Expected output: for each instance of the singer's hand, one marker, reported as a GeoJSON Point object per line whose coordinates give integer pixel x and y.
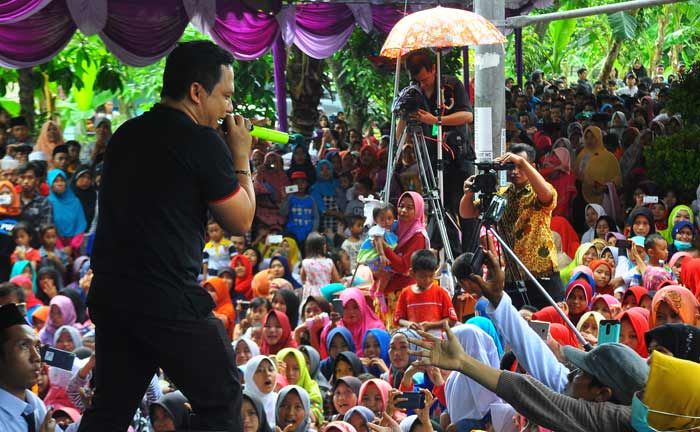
{"type": "Point", "coordinates": [238, 136]}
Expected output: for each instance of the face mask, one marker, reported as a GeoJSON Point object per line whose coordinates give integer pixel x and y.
{"type": "Point", "coordinates": [640, 414]}
{"type": "Point", "coordinates": [680, 245]}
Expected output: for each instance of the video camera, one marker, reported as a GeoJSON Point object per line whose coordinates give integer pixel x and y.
{"type": "Point", "coordinates": [409, 101]}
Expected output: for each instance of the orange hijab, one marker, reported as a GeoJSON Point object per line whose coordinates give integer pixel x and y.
{"type": "Point", "coordinates": [223, 301]}
{"type": "Point", "coordinates": [680, 299]}
{"type": "Point", "coordinates": [15, 207]}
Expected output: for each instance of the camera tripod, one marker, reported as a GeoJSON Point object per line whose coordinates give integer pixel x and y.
{"type": "Point", "coordinates": [431, 191]}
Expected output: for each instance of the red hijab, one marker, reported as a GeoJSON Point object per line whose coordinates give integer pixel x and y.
{"type": "Point", "coordinates": [223, 301]}
{"type": "Point", "coordinates": [690, 275]}
{"type": "Point", "coordinates": [243, 284]}
{"type": "Point", "coordinates": [563, 335]}
{"type": "Point", "coordinates": [569, 239]}
{"type": "Point", "coordinates": [640, 324]}
{"type": "Point", "coordinates": [286, 340]}
{"type": "Point", "coordinates": [638, 292]}
{"type": "Point", "coordinates": [27, 284]}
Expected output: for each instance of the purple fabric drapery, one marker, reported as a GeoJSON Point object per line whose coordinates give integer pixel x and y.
{"type": "Point", "coordinates": [322, 28]}
{"type": "Point", "coordinates": [384, 17]}
{"type": "Point", "coordinates": [247, 35]}
{"type": "Point", "coordinates": [17, 10]}
{"type": "Point", "coordinates": [36, 39]}
{"type": "Point", "coordinates": [141, 32]}
{"type": "Point", "coordinates": [279, 55]}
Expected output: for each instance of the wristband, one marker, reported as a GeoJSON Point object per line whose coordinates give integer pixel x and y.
{"type": "Point", "coordinates": [242, 172]}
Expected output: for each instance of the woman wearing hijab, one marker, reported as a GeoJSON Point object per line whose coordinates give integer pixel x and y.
{"type": "Point", "coordinates": [562, 335]}
{"type": "Point", "coordinates": [81, 184]}
{"type": "Point", "coordinates": [487, 326]}
{"type": "Point", "coordinates": [690, 275]}
{"type": "Point", "coordinates": [556, 169]}
{"type": "Point", "coordinates": [359, 417]}
{"type": "Point", "coordinates": [674, 304]}
{"type": "Point", "coordinates": [32, 303]}
{"type": "Point", "coordinates": [68, 214]}
{"type": "Point", "coordinates": [297, 373]}
{"type": "Point", "coordinates": [78, 304]}
{"type": "Point", "coordinates": [49, 284]}
{"type": "Point", "coordinates": [400, 354]}
{"type": "Point", "coordinates": [61, 313]}
{"type": "Point", "coordinates": [678, 213]}
{"type": "Point", "coordinates": [633, 297]}
{"type": "Point", "coordinates": [260, 380]}
{"type": "Point", "coordinates": [569, 239]}
{"type": "Point", "coordinates": [374, 394]}
{"type": "Point", "coordinates": [276, 333]}
{"type": "Point", "coordinates": [49, 138]}
{"type": "Point", "coordinates": [245, 349]}
{"type": "Point", "coordinates": [244, 275]}
{"type": "Point", "coordinates": [313, 363]}
{"type": "Point", "coordinates": [679, 340]}
{"type": "Point", "coordinates": [170, 412]}
{"type": "Point", "coordinates": [287, 271]}
{"type": "Point", "coordinates": [346, 393]}
{"type": "Point", "coordinates": [468, 402]}
{"type": "Point", "coordinates": [293, 409]}
{"type": "Point", "coordinates": [358, 317]}
{"type": "Point", "coordinates": [579, 294]}
{"type": "Point", "coordinates": [339, 426]}
{"type": "Point", "coordinates": [253, 414]}
{"type": "Point", "coordinates": [328, 196]}
{"type": "Point", "coordinates": [287, 302]}
{"type": "Point", "coordinates": [375, 346]}
{"type": "Point", "coordinates": [606, 305]}
{"type": "Point", "coordinates": [412, 237]}
{"type": "Point", "coordinates": [347, 363]}
{"type": "Point", "coordinates": [335, 341]}
{"type": "Point", "coordinates": [10, 204]}
{"type": "Point", "coordinates": [585, 254]}
{"type": "Point", "coordinates": [368, 162]}
{"type": "Point", "coordinates": [596, 166]}
{"type": "Point", "coordinates": [593, 212]}
{"type": "Point", "coordinates": [589, 326]}
{"type": "Point", "coordinates": [223, 309]}
{"type": "Point", "coordinates": [641, 222]}
{"type": "Point", "coordinates": [633, 327]}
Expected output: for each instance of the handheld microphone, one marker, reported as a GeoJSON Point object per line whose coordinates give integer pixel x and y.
{"type": "Point", "coordinates": [262, 133]}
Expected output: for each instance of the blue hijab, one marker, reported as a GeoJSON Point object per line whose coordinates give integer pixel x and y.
{"type": "Point", "coordinates": [487, 326]}
{"type": "Point", "coordinates": [68, 215]}
{"type": "Point", "coordinates": [324, 187]}
{"type": "Point", "coordinates": [287, 273]}
{"type": "Point", "coordinates": [327, 364]}
{"type": "Point", "coordinates": [19, 267]}
{"type": "Point", "coordinates": [384, 339]}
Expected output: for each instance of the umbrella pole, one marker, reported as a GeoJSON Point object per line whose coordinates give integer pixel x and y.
{"type": "Point", "coordinates": [439, 129]}
{"type": "Point", "coordinates": [392, 136]}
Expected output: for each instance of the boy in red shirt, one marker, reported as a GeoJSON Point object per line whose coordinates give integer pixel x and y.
{"type": "Point", "coordinates": [426, 305]}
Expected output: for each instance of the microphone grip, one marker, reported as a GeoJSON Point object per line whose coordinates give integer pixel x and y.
{"type": "Point", "coordinates": [269, 134]}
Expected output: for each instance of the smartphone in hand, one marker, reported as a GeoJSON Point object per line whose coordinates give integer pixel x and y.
{"type": "Point", "coordinates": [414, 400]}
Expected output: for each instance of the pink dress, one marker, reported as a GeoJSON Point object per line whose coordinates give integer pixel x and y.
{"type": "Point", "coordinates": [318, 273]}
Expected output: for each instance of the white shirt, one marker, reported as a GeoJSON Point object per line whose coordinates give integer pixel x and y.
{"type": "Point", "coordinates": [12, 408]}
{"type": "Point", "coordinates": [626, 91]}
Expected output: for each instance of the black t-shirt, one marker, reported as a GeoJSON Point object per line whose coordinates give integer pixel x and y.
{"type": "Point", "coordinates": [456, 100]}
{"type": "Point", "coordinates": [160, 173]}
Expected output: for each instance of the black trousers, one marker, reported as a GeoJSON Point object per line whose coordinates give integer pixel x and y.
{"type": "Point", "coordinates": [532, 294]}
{"type": "Point", "coordinates": [196, 355]}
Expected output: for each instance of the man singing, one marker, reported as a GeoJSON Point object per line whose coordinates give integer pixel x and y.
{"type": "Point", "coordinates": [163, 171]}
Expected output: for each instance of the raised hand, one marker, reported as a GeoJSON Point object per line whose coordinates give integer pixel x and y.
{"type": "Point", "coordinates": [445, 354]}
{"type": "Point", "coordinates": [492, 288]}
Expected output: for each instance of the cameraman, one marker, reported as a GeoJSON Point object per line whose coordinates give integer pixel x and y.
{"type": "Point", "coordinates": [454, 116]}
{"type": "Point", "coordinates": [525, 227]}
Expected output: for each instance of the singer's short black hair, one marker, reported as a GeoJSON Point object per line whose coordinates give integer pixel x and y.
{"type": "Point", "coordinates": [524, 148]}
{"type": "Point", "coordinates": [197, 61]}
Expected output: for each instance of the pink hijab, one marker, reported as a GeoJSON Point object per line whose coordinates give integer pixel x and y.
{"type": "Point", "coordinates": [406, 230]}
{"type": "Point", "coordinates": [368, 320]}
{"type": "Point", "coordinates": [565, 157]}
{"type": "Point", "coordinates": [69, 317]}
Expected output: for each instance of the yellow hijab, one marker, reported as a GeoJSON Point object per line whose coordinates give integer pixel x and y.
{"type": "Point", "coordinates": [595, 164]}
{"type": "Point", "coordinates": [673, 387]}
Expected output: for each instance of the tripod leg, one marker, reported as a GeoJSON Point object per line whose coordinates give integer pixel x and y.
{"type": "Point", "coordinates": [392, 165]}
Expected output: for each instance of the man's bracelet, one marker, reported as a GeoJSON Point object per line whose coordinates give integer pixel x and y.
{"type": "Point", "coordinates": [242, 172]}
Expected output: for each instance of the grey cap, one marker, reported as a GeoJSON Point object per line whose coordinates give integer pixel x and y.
{"type": "Point", "coordinates": [615, 365]}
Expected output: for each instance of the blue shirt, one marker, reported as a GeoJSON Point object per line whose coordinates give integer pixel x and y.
{"type": "Point", "coordinates": [12, 409]}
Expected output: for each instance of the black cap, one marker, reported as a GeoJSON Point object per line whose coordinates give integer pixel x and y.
{"type": "Point", "coordinates": [631, 75]}
{"type": "Point", "coordinates": [18, 121]}
{"type": "Point", "coordinates": [10, 315]}
{"type": "Point", "coordinates": [583, 69]}
{"type": "Point", "coordinates": [23, 148]}
{"type": "Point", "coordinates": [60, 149]}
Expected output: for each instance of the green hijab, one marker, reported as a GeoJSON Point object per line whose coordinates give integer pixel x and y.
{"type": "Point", "coordinates": [568, 271]}
{"type": "Point", "coordinates": [305, 380]}
{"type": "Point", "coordinates": [667, 233]}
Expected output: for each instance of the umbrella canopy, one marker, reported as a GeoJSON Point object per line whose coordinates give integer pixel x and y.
{"type": "Point", "coordinates": [440, 27]}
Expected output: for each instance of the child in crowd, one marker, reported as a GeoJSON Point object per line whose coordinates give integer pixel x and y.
{"type": "Point", "coordinates": [253, 311]}
{"type": "Point", "coordinates": [355, 206]}
{"type": "Point", "coordinates": [21, 234]}
{"type": "Point", "coordinates": [49, 252]}
{"type": "Point", "coordinates": [218, 251]}
{"type": "Point", "coordinates": [352, 244]}
{"type": "Point", "coordinates": [373, 256]}
{"type": "Point", "coordinates": [317, 270]}
{"type": "Point", "coordinates": [425, 305]}
{"type": "Point", "coordinates": [300, 209]}
{"type": "Point", "coordinates": [602, 274]}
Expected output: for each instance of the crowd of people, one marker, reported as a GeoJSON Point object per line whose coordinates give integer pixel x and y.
{"type": "Point", "coordinates": [332, 302]}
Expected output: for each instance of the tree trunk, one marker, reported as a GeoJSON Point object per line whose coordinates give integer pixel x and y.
{"type": "Point", "coordinates": [354, 103]}
{"type": "Point", "coordinates": [676, 57]}
{"type": "Point", "coordinates": [304, 84]}
{"type": "Point", "coordinates": [658, 53]}
{"type": "Point", "coordinates": [610, 61]}
{"type": "Point", "coordinates": [26, 95]}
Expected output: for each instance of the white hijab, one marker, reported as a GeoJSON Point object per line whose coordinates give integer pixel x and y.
{"type": "Point", "coordinates": [252, 346]}
{"type": "Point", "coordinates": [589, 235]}
{"type": "Point", "coordinates": [466, 399]}
{"type": "Point", "coordinates": [268, 400]}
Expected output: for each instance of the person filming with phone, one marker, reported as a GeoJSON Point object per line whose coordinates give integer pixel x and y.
{"type": "Point", "coordinates": [163, 207]}
{"type": "Point", "coordinates": [525, 227]}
